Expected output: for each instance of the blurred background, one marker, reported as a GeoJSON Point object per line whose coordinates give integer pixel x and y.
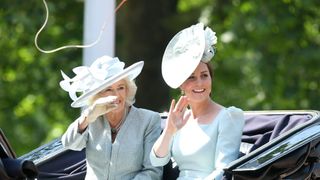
{"type": "Point", "coordinates": [268, 57]}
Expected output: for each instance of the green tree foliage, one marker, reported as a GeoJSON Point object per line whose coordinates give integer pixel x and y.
{"type": "Point", "coordinates": [267, 57]}
{"type": "Point", "coordinates": [267, 53]}
{"type": "Point", "coordinates": [33, 107]}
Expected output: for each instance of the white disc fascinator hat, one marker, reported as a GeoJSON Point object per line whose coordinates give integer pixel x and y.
{"type": "Point", "coordinates": [185, 51]}
{"type": "Point", "coordinates": [89, 81]}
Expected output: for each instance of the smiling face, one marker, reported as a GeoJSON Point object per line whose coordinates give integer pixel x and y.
{"type": "Point", "coordinates": [198, 86]}
{"type": "Point", "coordinates": [118, 89]}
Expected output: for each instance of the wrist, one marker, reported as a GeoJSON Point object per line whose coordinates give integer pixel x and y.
{"type": "Point", "coordinates": [82, 124]}
{"type": "Point", "coordinates": [169, 131]}
{"type": "Point", "coordinates": [88, 116]}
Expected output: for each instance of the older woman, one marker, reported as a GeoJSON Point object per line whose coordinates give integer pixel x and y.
{"type": "Point", "coordinates": [201, 135]}
{"type": "Point", "coordinates": [118, 136]}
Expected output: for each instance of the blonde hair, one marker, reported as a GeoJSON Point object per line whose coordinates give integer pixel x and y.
{"type": "Point", "coordinates": [131, 88]}
{"type": "Point", "coordinates": [131, 91]}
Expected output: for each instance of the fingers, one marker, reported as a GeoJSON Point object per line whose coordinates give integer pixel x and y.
{"type": "Point", "coordinates": [186, 118]}
{"type": "Point", "coordinates": [106, 100]}
{"type": "Point", "coordinates": [176, 113]}
{"type": "Point", "coordinates": [107, 104]}
{"type": "Point", "coordinates": [110, 107]}
{"type": "Point", "coordinates": [181, 104]}
{"type": "Point", "coordinates": [173, 102]}
{"type": "Point", "coordinates": [102, 105]}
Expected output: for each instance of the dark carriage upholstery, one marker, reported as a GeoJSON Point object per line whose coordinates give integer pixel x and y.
{"type": "Point", "coordinates": [299, 164]}
{"type": "Point", "coordinates": [10, 166]}
{"type": "Point", "coordinates": [259, 129]}
{"type": "Point", "coordinates": [69, 165]}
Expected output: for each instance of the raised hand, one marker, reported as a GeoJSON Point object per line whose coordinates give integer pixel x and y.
{"type": "Point", "coordinates": [176, 116]}
{"type": "Point", "coordinates": [99, 107]}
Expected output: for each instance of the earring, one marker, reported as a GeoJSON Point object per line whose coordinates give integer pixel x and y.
{"type": "Point", "coordinates": [182, 93]}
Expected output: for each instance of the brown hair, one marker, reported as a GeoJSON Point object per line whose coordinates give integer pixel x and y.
{"type": "Point", "coordinates": [210, 68]}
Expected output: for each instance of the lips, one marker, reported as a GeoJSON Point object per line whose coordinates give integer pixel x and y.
{"type": "Point", "coordinates": [198, 90]}
{"type": "Point", "coordinates": [117, 102]}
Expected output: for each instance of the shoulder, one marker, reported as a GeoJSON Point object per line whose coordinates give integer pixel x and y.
{"type": "Point", "coordinates": [145, 114]}
{"type": "Point", "coordinates": [234, 114]}
{"type": "Point", "coordinates": [233, 118]}
{"type": "Point", "coordinates": [147, 118]}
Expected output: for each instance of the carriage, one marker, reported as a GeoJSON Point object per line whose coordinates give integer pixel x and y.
{"type": "Point", "coordinates": [275, 145]}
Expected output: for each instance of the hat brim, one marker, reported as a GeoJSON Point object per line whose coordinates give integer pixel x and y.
{"type": "Point", "coordinates": [177, 66]}
{"type": "Point", "coordinates": [131, 72]}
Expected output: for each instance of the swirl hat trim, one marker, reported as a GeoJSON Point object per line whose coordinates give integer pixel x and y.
{"type": "Point", "coordinates": [89, 81]}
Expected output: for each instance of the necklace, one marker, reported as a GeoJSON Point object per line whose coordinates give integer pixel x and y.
{"type": "Point", "coordinates": [114, 130]}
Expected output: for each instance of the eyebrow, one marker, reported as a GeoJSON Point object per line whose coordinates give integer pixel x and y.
{"type": "Point", "coordinates": [205, 71]}
{"type": "Point", "coordinates": [110, 87]}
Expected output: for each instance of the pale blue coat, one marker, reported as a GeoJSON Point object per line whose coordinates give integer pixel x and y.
{"type": "Point", "coordinates": [126, 158]}
{"type": "Point", "coordinates": [202, 150]}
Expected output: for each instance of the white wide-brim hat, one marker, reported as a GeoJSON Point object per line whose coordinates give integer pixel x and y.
{"type": "Point", "coordinates": [185, 51]}
{"type": "Point", "coordinates": [89, 81]}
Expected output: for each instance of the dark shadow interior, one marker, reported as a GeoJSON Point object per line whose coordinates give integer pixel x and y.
{"type": "Point", "coordinates": [10, 166]}
{"type": "Point", "coordinates": [261, 129]}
